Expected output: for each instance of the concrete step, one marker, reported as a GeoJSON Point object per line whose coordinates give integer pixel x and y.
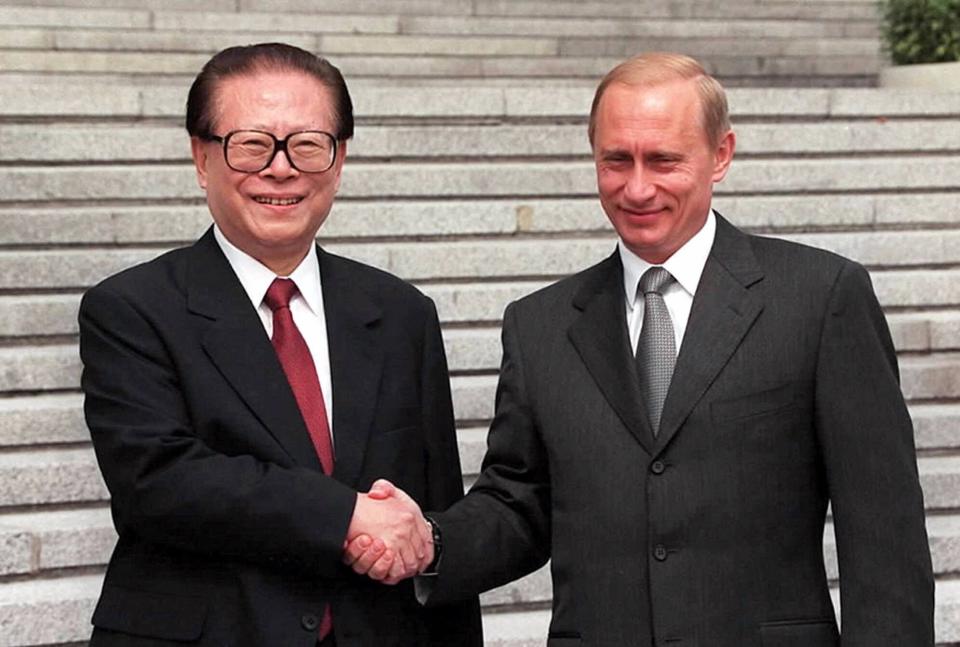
{"type": "Point", "coordinates": [478, 349]}
{"type": "Point", "coordinates": [42, 541]}
{"type": "Point", "coordinates": [936, 426]}
{"type": "Point", "coordinates": [634, 27]}
{"type": "Point", "coordinates": [56, 539]}
{"type": "Point", "coordinates": [85, 143]}
{"type": "Point", "coordinates": [486, 179]}
{"type": "Point", "coordinates": [833, 9]}
{"type": "Point", "coordinates": [25, 370]}
{"type": "Point", "coordinates": [936, 431]}
{"type": "Point", "coordinates": [170, 5]}
{"type": "Point", "coordinates": [925, 331]}
{"type": "Point", "coordinates": [332, 45]}
{"type": "Point", "coordinates": [58, 610]}
{"type": "Point", "coordinates": [47, 419]}
{"type": "Point", "coordinates": [47, 611]}
{"type": "Point", "coordinates": [527, 628]}
{"type": "Point", "coordinates": [948, 613]}
{"type": "Point", "coordinates": [161, 20]}
{"type": "Point", "coordinates": [678, 9]}
{"type": "Point", "coordinates": [483, 303]}
{"type": "Point", "coordinates": [57, 419]}
{"type": "Point", "coordinates": [504, 259]}
{"type": "Point", "coordinates": [515, 628]}
{"type": "Point", "coordinates": [373, 65]}
{"type": "Point", "coordinates": [14, 16]}
{"type": "Point", "coordinates": [58, 39]}
{"type": "Point", "coordinates": [708, 48]}
{"type": "Point", "coordinates": [943, 533]}
{"type": "Point", "coordinates": [181, 225]}
{"type": "Point", "coordinates": [47, 314]}
{"type": "Point", "coordinates": [929, 377]}
{"type": "Point", "coordinates": [50, 476]}
{"type": "Point", "coordinates": [69, 476]}
{"type": "Point", "coordinates": [29, 96]}
{"type": "Point", "coordinates": [926, 379]}
{"type": "Point", "coordinates": [533, 24]}
{"type": "Point", "coordinates": [468, 349]}
{"type": "Point", "coordinates": [44, 368]}
{"type": "Point", "coordinates": [428, 7]}
{"type": "Point", "coordinates": [940, 479]}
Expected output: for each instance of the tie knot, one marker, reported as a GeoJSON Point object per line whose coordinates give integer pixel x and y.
{"type": "Point", "coordinates": [655, 279]}
{"type": "Point", "coordinates": [279, 293]}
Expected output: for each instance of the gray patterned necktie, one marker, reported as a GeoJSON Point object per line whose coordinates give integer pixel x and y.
{"type": "Point", "coordinates": [657, 348]}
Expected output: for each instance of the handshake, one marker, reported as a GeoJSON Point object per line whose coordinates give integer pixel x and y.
{"type": "Point", "coordinates": [388, 538]}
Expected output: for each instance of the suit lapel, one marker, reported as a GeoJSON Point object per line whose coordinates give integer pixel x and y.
{"type": "Point", "coordinates": [237, 344]}
{"type": "Point", "coordinates": [600, 337]}
{"type": "Point", "coordinates": [356, 359]}
{"type": "Point", "coordinates": [723, 311]}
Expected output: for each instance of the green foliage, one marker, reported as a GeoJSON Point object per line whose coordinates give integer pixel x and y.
{"type": "Point", "coordinates": [921, 31]}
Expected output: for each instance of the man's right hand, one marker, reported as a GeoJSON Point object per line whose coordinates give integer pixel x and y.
{"type": "Point", "coordinates": [388, 539]}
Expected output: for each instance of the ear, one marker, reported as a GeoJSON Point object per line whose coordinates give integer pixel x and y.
{"type": "Point", "coordinates": [723, 156]}
{"type": "Point", "coordinates": [198, 150]}
{"type": "Point", "coordinates": [338, 164]}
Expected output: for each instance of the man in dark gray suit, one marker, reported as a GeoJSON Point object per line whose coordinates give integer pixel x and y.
{"type": "Point", "coordinates": [673, 447]}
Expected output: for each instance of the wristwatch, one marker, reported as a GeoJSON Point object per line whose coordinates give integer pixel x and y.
{"type": "Point", "coordinates": [433, 568]}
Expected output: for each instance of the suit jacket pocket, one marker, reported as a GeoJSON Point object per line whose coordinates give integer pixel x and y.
{"type": "Point", "coordinates": [144, 613]}
{"type": "Point", "coordinates": [753, 405]}
{"type": "Point", "coordinates": [800, 633]}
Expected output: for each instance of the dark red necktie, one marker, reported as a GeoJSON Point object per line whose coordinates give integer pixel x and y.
{"type": "Point", "coordinates": [301, 373]}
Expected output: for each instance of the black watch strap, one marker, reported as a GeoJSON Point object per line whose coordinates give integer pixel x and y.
{"type": "Point", "coordinates": [432, 569]}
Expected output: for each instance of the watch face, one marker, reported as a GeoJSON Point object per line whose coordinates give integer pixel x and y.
{"type": "Point", "coordinates": [437, 548]}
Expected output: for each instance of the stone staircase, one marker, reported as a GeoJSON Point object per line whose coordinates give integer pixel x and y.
{"type": "Point", "coordinates": [754, 43]}
{"type": "Point", "coordinates": [471, 178]}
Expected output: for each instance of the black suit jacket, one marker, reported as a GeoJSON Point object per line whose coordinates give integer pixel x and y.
{"type": "Point", "coordinates": [785, 397]}
{"type": "Point", "coordinates": [229, 533]}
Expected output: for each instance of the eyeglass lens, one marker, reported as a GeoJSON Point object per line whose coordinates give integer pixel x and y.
{"type": "Point", "coordinates": [251, 151]}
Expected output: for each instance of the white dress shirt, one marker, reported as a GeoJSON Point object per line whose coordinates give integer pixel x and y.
{"type": "Point", "coordinates": [686, 266]}
{"type": "Point", "coordinates": [306, 307]}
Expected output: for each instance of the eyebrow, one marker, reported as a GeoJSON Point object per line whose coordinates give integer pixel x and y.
{"type": "Point", "coordinates": [612, 152]}
{"type": "Point", "coordinates": [664, 155]}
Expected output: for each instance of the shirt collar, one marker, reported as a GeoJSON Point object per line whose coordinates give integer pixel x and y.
{"type": "Point", "coordinates": [255, 277]}
{"type": "Point", "coordinates": [686, 265]}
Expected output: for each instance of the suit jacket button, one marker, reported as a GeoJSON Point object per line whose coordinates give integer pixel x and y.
{"type": "Point", "coordinates": [658, 467]}
{"type": "Point", "coordinates": [309, 622]}
{"type": "Point", "coordinates": [660, 553]}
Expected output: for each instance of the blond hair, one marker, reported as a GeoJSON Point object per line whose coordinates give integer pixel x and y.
{"type": "Point", "coordinates": [656, 68]}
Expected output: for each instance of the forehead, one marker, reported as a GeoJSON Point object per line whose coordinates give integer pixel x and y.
{"type": "Point", "coordinates": [273, 98]}
{"type": "Point", "coordinates": [668, 110]}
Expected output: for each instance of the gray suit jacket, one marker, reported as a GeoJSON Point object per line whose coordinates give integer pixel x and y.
{"type": "Point", "coordinates": [785, 397]}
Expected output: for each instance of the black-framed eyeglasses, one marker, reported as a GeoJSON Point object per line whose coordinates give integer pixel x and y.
{"type": "Point", "coordinates": [251, 151]}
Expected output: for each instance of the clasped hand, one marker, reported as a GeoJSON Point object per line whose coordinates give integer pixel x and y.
{"type": "Point", "coordinates": [388, 538]}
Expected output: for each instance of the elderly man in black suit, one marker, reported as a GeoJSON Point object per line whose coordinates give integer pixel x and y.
{"type": "Point", "coordinates": [672, 422]}
{"type": "Point", "coordinates": [244, 392]}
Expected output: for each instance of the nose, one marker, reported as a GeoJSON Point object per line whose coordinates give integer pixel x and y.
{"type": "Point", "coordinates": [280, 166]}
{"type": "Point", "coordinates": [638, 187]}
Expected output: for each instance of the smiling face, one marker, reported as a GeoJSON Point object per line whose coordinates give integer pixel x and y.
{"type": "Point", "coordinates": [273, 215]}
{"type": "Point", "coordinates": [655, 165]}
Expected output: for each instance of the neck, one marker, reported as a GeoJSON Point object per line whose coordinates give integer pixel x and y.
{"type": "Point", "coordinates": [282, 265]}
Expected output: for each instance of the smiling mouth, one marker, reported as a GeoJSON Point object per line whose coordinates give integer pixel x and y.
{"type": "Point", "coordinates": [642, 212]}
{"type": "Point", "coordinates": [277, 202]}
